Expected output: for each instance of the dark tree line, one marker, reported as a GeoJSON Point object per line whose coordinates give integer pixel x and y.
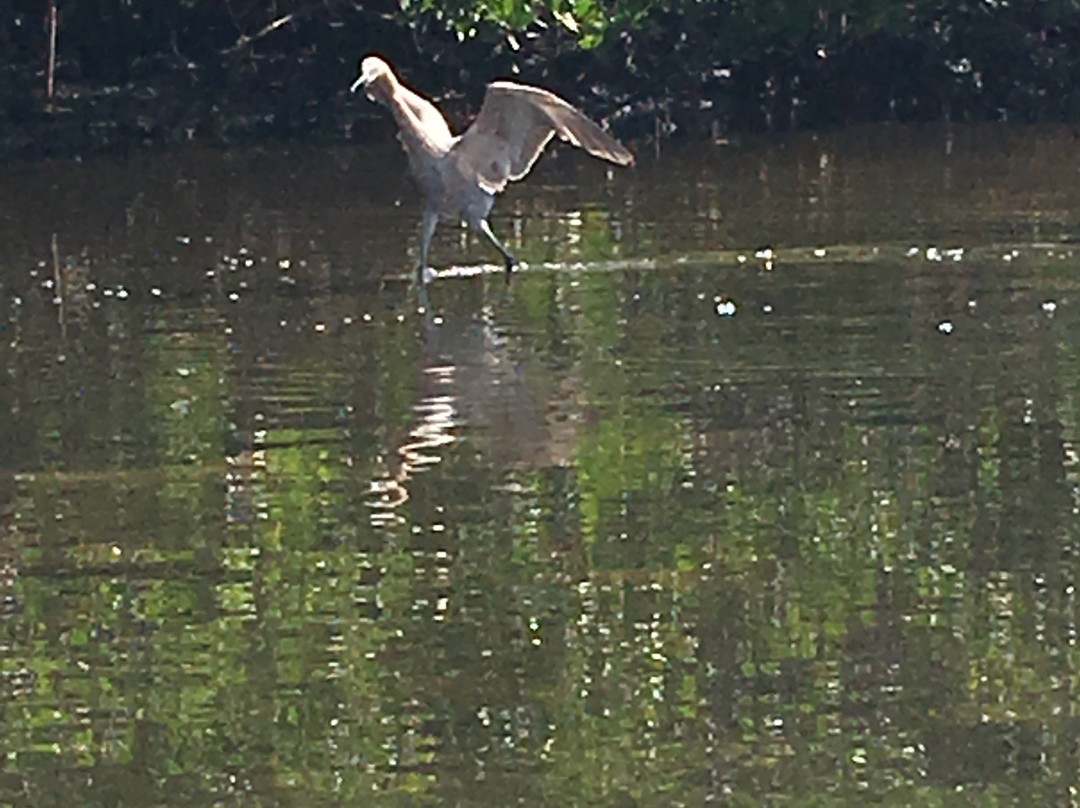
{"type": "Point", "coordinates": [126, 71]}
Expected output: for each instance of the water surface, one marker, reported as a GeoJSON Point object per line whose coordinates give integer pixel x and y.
{"type": "Point", "coordinates": [757, 486]}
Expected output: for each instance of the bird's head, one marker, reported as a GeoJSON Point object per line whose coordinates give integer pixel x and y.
{"type": "Point", "coordinates": [376, 78]}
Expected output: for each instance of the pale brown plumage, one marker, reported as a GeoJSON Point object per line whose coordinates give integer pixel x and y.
{"type": "Point", "coordinates": [459, 176]}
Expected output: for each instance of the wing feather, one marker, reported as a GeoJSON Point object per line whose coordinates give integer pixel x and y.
{"type": "Point", "coordinates": [515, 123]}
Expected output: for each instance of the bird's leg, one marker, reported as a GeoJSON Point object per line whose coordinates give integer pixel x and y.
{"type": "Point", "coordinates": [427, 230]}
{"type": "Point", "coordinates": [485, 228]}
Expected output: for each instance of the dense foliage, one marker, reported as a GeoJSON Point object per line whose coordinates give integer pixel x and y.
{"type": "Point", "coordinates": [222, 70]}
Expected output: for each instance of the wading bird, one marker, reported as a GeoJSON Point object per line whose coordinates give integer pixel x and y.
{"type": "Point", "coordinates": [460, 175]}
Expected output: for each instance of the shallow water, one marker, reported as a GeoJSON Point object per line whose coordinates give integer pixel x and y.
{"type": "Point", "coordinates": [757, 485]}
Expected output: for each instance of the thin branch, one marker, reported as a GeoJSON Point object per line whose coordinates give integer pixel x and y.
{"type": "Point", "coordinates": [246, 40]}
{"type": "Point", "coordinates": [52, 49]}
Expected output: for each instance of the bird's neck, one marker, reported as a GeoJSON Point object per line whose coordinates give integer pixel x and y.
{"type": "Point", "coordinates": [421, 124]}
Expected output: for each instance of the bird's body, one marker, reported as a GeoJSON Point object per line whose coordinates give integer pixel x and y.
{"type": "Point", "coordinates": [460, 175]}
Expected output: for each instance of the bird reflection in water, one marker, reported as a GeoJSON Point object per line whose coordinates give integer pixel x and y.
{"type": "Point", "coordinates": [470, 386]}
{"type": "Point", "coordinates": [431, 431]}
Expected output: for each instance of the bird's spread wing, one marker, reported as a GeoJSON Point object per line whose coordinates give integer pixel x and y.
{"type": "Point", "coordinates": [515, 123]}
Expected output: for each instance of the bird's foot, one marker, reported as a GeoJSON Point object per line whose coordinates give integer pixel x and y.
{"type": "Point", "coordinates": [510, 262]}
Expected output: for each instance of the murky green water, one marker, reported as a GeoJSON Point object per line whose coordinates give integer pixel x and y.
{"type": "Point", "coordinates": [758, 486]}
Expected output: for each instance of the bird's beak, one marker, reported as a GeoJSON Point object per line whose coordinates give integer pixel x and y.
{"type": "Point", "coordinates": [365, 80]}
